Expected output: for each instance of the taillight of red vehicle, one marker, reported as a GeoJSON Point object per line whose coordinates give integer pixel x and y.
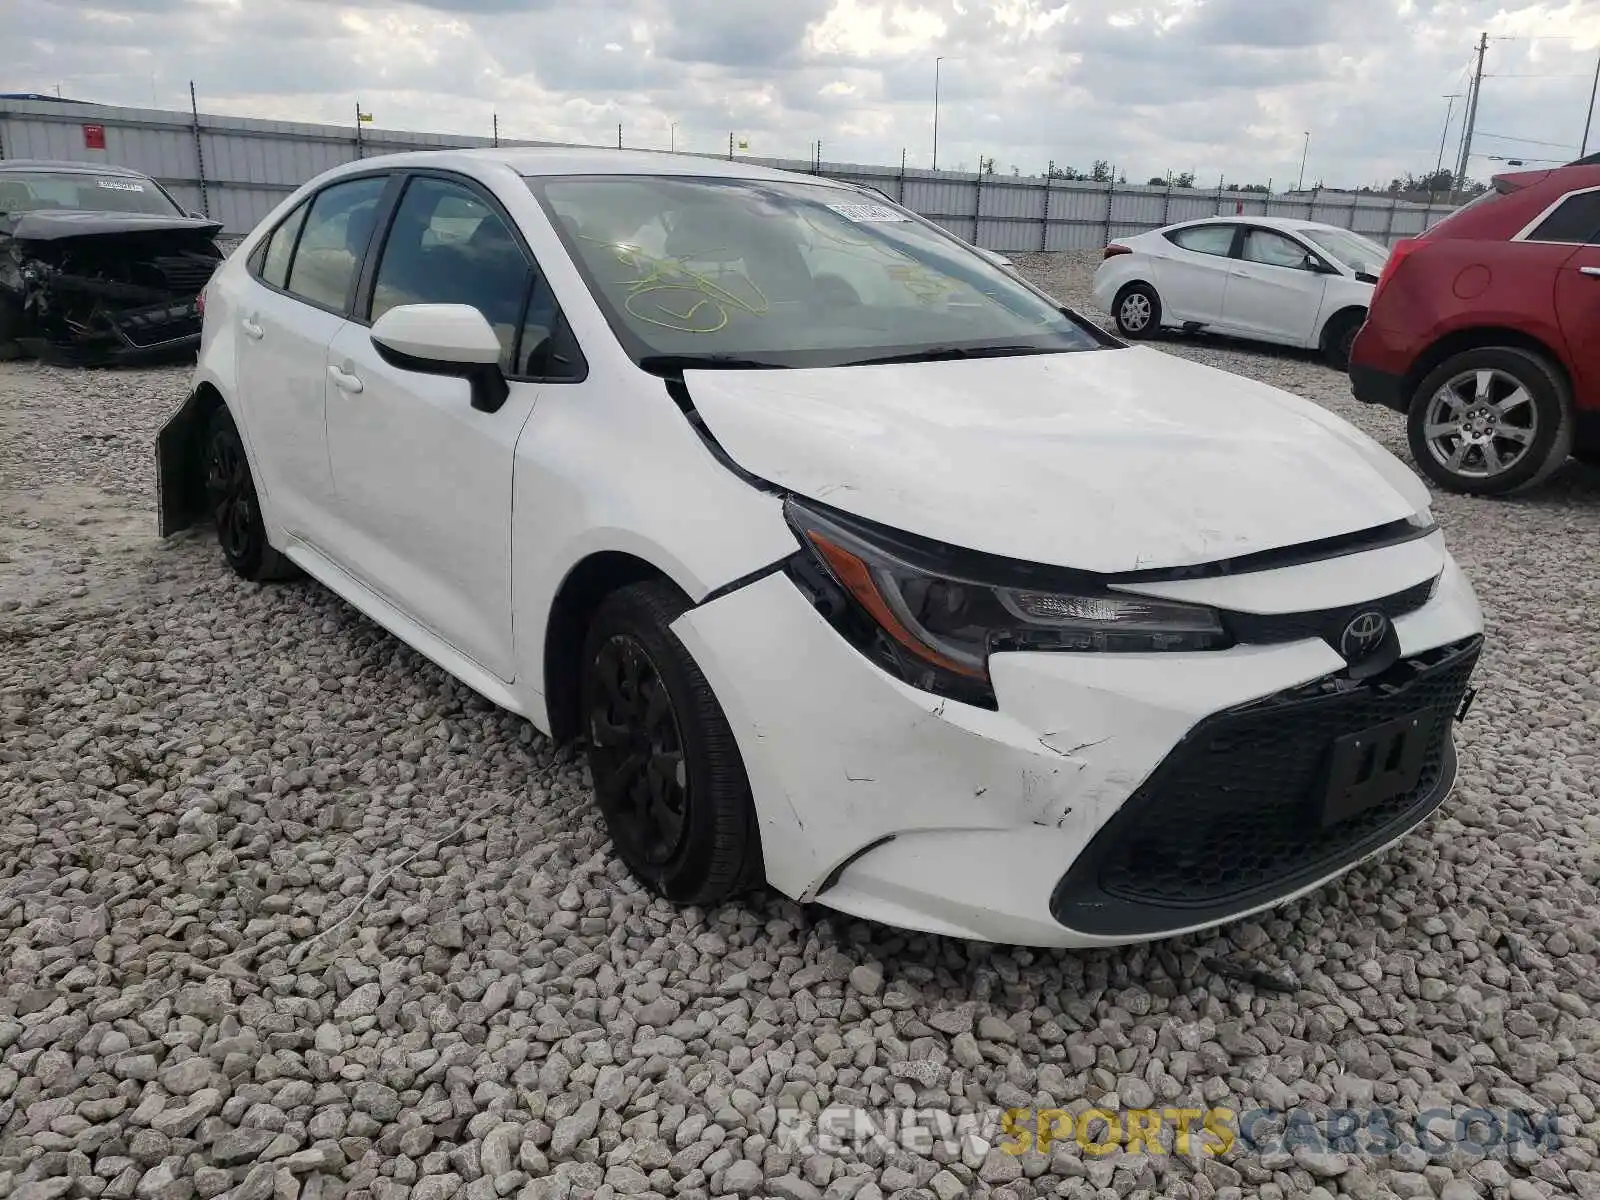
{"type": "Point", "coordinates": [1113, 250]}
{"type": "Point", "coordinates": [1402, 249]}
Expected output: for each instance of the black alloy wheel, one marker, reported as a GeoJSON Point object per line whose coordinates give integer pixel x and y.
{"type": "Point", "coordinates": [235, 507]}
{"type": "Point", "coordinates": [637, 749]}
{"type": "Point", "coordinates": [667, 771]}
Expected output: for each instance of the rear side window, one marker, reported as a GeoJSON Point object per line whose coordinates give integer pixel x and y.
{"type": "Point", "coordinates": [1576, 219]}
{"type": "Point", "coordinates": [280, 246]}
{"type": "Point", "coordinates": [334, 241]}
{"type": "Point", "coordinates": [1204, 239]}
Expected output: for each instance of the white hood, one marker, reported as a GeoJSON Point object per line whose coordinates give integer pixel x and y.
{"type": "Point", "coordinates": [1105, 460]}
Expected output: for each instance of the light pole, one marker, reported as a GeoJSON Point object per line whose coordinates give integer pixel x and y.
{"type": "Point", "coordinates": [672, 138]}
{"type": "Point", "coordinates": [1300, 187]}
{"type": "Point", "coordinates": [1448, 112]}
{"type": "Point", "coordinates": [936, 63]}
{"type": "Point", "coordinates": [1589, 115]}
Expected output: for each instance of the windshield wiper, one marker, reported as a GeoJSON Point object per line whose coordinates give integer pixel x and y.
{"type": "Point", "coordinates": [673, 364]}
{"type": "Point", "coordinates": [947, 353]}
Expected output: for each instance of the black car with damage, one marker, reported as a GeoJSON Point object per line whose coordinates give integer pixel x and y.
{"type": "Point", "coordinates": [98, 264]}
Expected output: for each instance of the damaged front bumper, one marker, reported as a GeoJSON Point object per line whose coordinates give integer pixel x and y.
{"type": "Point", "coordinates": [98, 302]}
{"type": "Point", "coordinates": [895, 805]}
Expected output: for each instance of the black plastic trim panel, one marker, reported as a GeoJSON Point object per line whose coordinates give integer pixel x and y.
{"type": "Point", "coordinates": [1229, 821]}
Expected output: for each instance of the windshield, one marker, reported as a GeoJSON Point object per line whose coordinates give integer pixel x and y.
{"type": "Point", "coordinates": [1353, 250]}
{"type": "Point", "coordinates": [735, 273]}
{"type": "Point", "coordinates": [34, 191]}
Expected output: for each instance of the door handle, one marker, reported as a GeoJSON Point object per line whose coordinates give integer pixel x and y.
{"type": "Point", "coordinates": [1591, 272]}
{"type": "Point", "coordinates": [252, 329]}
{"type": "Point", "coordinates": [344, 380]}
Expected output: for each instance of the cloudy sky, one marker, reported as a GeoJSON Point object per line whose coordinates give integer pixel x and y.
{"type": "Point", "coordinates": [1219, 87]}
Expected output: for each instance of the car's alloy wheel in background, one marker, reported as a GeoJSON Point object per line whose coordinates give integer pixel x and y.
{"type": "Point", "coordinates": [1489, 421]}
{"type": "Point", "coordinates": [1340, 339]}
{"type": "Point", "coordinates": [1137, 311]}
{"type": "Point", "coordinates": [667, 772]}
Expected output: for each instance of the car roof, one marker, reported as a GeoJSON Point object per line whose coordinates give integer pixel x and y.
{"type": "Point", "coordinates": [24, 165]}
{"type": "Point", "coordinates": [549, 161]}
{"type": "Point", "coordinates": [1287, 224]}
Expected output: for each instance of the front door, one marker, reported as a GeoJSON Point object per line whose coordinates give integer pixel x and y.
{"type": "Point", "coordinates": [423, 480]}
{"type": "Point", "coordinates": [1272, 292]}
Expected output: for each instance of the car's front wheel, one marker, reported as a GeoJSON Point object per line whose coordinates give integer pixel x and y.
{"type": "Point", "coordinates": [235, 508]}
{"type": "Point", "coordinates": [667, 771]}
{"type": "Point", "coordinates": [1489, 421]}
{"type": "Point", "coordinates": [1137, 311]}
{"type": "Point", "coordinates": [1340, 338]}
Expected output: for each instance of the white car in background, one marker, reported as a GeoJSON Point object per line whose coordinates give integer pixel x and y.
{"type": "Point", "coordinates": [1274, 279]}
{"type": "Point", "coordinates": [862, 568]}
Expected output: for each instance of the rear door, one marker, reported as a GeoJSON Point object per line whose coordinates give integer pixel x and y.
{"type": "Point", "coordinates": [1192, 272]}
{"type": "Point", "coordinates": [1272, 292]}
{"type": "Point", "coordinates": [1576, 221]}
{"type": "Point", "coordinates": [290, 311]}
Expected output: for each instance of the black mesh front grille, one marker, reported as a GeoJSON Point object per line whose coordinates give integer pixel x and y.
{"type": "Point", "coordinates": [1230, 819]}
{"type": "Point", "coordinates": [1327, 624]}
{"type": "Point", "coordinates": [186, 273]}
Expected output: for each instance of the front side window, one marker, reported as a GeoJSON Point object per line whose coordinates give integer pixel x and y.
{"type": "Point", "coordinates": [447, 246]}
{"type": "Point", "coordinates": [748, 272]}
{"type": "Point", "coordinates": [1205, 239]}
{"type": "Point", "coordinates": [1576, 219]}
{"type": "Point", "coordinates": [335, 239]}
{"type": "Point", "coordinates": [1361, 255]}
{"type": "Point", "coordinates": [1273, 249]}
{"type": "Point", "coordinates": [82, 191]}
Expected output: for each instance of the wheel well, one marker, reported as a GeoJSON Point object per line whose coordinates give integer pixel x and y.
{"type": "Point", "coordinates": [180, 450]}
{"type": "Point", "coordinates": [579, 596]}
{"type": "Point", "coordinates": [1474, 339]}
{"type": "Point", "coordinates": [1344, 314]}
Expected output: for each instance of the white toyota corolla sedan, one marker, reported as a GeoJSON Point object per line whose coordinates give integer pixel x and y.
{"type": "Point", "coordinates": [861, 567]}
{"type": "Point", "coordinates": [1273, 279]}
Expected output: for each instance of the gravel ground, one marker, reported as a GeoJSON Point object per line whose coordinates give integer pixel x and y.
{"type": "Point", "coordinates": [288, 913]}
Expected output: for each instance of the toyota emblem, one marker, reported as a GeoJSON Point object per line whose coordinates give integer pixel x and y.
{"type": "Point", "coordinates": [1363, 635]}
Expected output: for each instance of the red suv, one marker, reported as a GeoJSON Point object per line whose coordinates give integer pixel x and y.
{"type": "Point", "coordinates": [1485, 332]}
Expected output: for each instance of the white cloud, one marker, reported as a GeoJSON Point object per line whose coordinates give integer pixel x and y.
{"type": "Point", "coordinates": [1214, 86]}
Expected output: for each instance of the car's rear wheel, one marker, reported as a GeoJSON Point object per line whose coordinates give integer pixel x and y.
{"type": "Point", "coordinates": [1340, 338]}
{"type": "Point", "coordinates": [1137, 311]}
{"type": "Point", "coordinates": [1489, 421]}
{"type": "Point", "coordinates": [667, 772]}
{"type": "Point", "coordinates": [235, 508]}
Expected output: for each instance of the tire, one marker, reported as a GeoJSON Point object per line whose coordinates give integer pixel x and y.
{"type": "Point", "coordinates": [1137, 311]}
{"type": "Point", "coordinates": [682, 818]}
{"type": "Point", "coordinates": [1339, 337]}
{"type": "Point", "coordinates": [1453, 394]}
{"type": "Point", "coordinates": [10, 326]}
{"type": "Point", "coordinates": [231, 495]}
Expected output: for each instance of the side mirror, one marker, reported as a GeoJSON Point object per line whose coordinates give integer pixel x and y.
{"type": "Point", "coordinates": [1317, 266]}
{"type": "Point", "coordinates": [198, 216]}
{"type": "Point", "coordinates": [994, 256]}
{"type": "Point", "coordinates": [444, 339]}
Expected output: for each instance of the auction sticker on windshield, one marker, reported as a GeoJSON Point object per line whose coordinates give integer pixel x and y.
{"type": "Point", "coordinates": [867, 212]}
{"type": "Point", "coordinates": [119, 185]}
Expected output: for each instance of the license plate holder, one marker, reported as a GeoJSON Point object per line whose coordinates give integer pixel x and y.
{"type": "Point", "coordinates": [1374, 765]}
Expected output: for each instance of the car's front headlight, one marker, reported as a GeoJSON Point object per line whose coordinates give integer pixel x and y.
{"type": "Point", "coordinates": [935, 618]}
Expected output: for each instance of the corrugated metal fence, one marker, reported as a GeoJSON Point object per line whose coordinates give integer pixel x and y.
{"type": "Point", "coordinates": [236, 169]}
